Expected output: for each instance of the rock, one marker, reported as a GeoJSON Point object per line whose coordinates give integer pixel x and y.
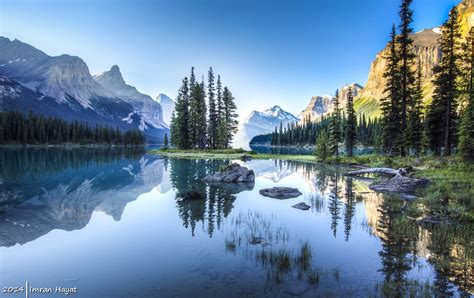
{"type": "Point", "coordinates": [259, 240]}
{"type": "Point", "coordinates": [232, 173]}
{"type": "Point", "coordinates": [435, 220]}
{"type": "Point", "coordinates": [233, 188]}
{"type": "Point", "coordinates": [302, 206]}
{"type": "Point", "coordinates": [399, 184]}
{"type": "Point", "coordinates": [280, 192]}
{"type": "Point", "coordinates": [246, 157]}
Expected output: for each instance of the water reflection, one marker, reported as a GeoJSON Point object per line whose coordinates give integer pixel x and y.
{"type": "Point", "coordinates": [45, 189]}
{"type": "Point", "coordinates": [218, 199]}
{"type": "Point", "coordinates": [307, 253]}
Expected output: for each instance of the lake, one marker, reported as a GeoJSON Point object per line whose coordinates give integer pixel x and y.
{"type": "Point", "coordinates": [109, 222]}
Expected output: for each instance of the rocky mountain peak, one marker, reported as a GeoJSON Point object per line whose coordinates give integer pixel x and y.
{"type": "Point", "coordinates": [112, 78]}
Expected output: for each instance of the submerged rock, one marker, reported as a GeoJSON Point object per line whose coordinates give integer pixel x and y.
{"type": "Point", "coordinates": [280, 192]}
{"type": "Point", "coordinates": [399, 184]}
{"type": "Point", "coordinates": [302, 206]}
{"type": "Point", "coordinates": [232, 173]}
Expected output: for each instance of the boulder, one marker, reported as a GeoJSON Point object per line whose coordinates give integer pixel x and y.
{"type": "Point", "coordinates": [232, 173]}
{"type": "Point", "coordinates": [302, 206]}
{"type": "Point", "coordinates": [280, 192]}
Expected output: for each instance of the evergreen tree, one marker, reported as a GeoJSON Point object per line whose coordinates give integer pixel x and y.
{"type": "Point", "coordinates": [466, 131]}
{"type": "Point", "coordinates": [415, 126]}
{"type": "Point", "coordinates": [441, 116]}
{"type": "Point", "coordinates": [390, 103]}
{"type": "Point", "coordinates": [213, 112]}
{"type": "Point", "coordinates": [221, 126]}
{"type": "Point", "coordinates": [165, 141]}
{"type": "Point", "coordinates": [322, 145]}
{"type": "Point", "coordinates": [180, 121]}
{"type": "Point", "coordinates": [335, 128]}
{"type": "Point", "coordinates": [230, 117]}
{"type": "Point", "coordinates": [351, 124]}
{"type": "Point", "coordinates": [407, 75]}
{"type": "Point", "coordinates": [197, 117]}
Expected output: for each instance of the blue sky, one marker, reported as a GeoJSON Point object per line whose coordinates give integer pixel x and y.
{"type": "Point", "coordinates": [267, 52]}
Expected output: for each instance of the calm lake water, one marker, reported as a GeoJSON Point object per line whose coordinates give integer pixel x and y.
{"type": "Point", "coordinates": [109, 222]}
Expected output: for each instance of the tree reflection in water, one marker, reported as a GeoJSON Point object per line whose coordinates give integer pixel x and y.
{"type": "Point", "coordinates": [186, 174]}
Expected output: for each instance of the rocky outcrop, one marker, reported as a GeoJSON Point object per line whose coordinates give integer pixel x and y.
{"type": "Point", "coordinates": [398, 183]}
{"type": "Point", "coordinates": [321, 105]}
{"type": "Point", "coordinates": [280, 192]}
{"type": "Point", "coordinates": [426, 48]}
{"type": "Point", "coordinates": [233, 173]}
{"type": "Point", "coordinates": [167, 104]}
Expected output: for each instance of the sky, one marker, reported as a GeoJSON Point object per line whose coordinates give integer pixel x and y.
{"type": "Point", "coordinates": [267, 52]}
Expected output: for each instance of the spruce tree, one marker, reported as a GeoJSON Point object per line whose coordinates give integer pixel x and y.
{"type": "Point", "coordinates": [213, 112]}
{"type": "Point", "coordinates": [415, 126]}
{"type": "Point", "coordinates": [180, 122]}
{"type": "Point", "coordinates": [165, 141]}
{"type": "Point", "coordinates": [221, 125]}
{"type": "Point", "coordinates": [335, 127]}
{"type": "Point", "coordinates": [407, 75]}
{"type": "Point", "coordinates": [322, 145]}
{"type": "Point", "coordinates": [351, 124]}
{"type": "Point", "coordinates": [466, 131]}
{"type": "Point", "coordinates": [391, 102]}
{"type": "Point", "coordinates": [230, 117]}
{"type": "Point", "coordinates": [441, 117]}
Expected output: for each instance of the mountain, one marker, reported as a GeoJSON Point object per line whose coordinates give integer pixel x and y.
{"type": "Point", "coordinates": [427, 51]}
{"type": "Point", "coordinates": [167, 104]}
{"type": "Point", "coordinates": [264, 122]}
{"type": "Point", "coordinates": [62, 86]}
{"type": "Point", "coordinates": [321, 105]}
{"type": "Point", "coordinates": [150, 111]}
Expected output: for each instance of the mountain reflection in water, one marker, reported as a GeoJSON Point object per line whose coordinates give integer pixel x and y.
{"type": "Point", "coordinates": [351, 242]}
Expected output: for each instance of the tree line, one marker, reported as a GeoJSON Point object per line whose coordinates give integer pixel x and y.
{"type": "Point", "coordinates": [331, 130]}
{"type": "Point", "coordinates": [15, 128]}
{"type": "Point", "coordinates": [197, 123]}
{"type": "Point", "coordinates": [447, 122]}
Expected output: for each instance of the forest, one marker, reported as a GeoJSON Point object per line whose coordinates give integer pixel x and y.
{"type": "Point", "coordinates": [33, 129]}
{"type": "Point", "coordinates": [408, 126]}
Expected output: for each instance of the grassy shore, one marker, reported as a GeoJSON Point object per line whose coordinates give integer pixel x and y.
{"type": "Point", "coordinates": [228, 154]}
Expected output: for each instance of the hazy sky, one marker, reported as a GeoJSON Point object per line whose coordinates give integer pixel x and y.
{"type": "Point", "coordinates": [267, 52]}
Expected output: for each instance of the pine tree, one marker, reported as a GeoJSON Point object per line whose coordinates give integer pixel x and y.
{"type": "Point", "coordinates": [213, 112]}
{"type": "Point", "coordinates": [165, 141]}
{"type": "Point", "coordinates": [180, 121]}
{"type": "Point", "coordinates": [390, 103]}
{"type": "Point", "coordinates": [407, 75]}
{"type": "Point", "coordinates": [415, 126]}
{"type": "Point", "coordinates": [441, 116]}
{"type": "Point", "coordinates": [351, 124]}
{"type": "Point", "coordinates": [322, 145]}
{"type": "Point", "coordinates": [221, 126]}
{"type": "Point", "coordinates": [335, 128]}
{"type": "Point", "coordinates": [466, 131]}
{"type": "Point", "coordinates": [230, 117]}
{"type": "Point", "coordinates": [197, 116]}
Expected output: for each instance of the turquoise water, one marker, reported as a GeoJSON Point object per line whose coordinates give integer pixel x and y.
{"type": "Point", "coordinates": [109, 223]}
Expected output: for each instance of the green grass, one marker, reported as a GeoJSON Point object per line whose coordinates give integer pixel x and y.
{"type": "Point", "coordinates": [228, 154]}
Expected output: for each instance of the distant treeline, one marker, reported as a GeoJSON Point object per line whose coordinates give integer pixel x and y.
{"type": "Point", "coordinates": [16, 128]}
{"type": "Point", "coordinates": [368, 132]}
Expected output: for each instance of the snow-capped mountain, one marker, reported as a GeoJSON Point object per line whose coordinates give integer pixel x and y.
{"type": "Point", "coordinates": [258, 123]}
{"type": "Point", "coordinates": [321, 105]}
{"type": "Point", "coordinates": [167, 104]}
{"type": "Point", "coordinates": [149, 110]}
{"type": "Point", "coordinates": [70, 91]}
